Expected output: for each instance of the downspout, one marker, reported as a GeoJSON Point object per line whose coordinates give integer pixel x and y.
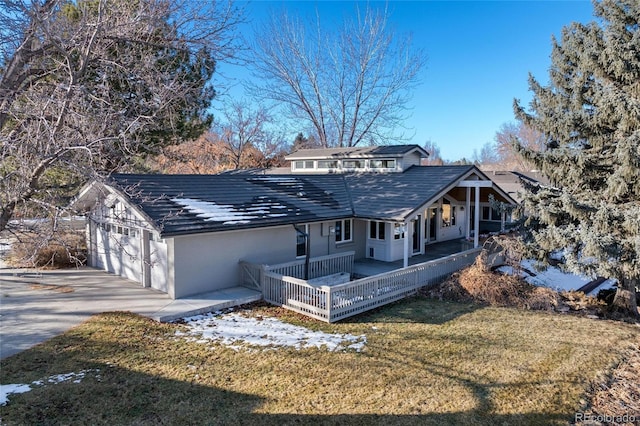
{"type": "Point", "coordinates": [307, 256]}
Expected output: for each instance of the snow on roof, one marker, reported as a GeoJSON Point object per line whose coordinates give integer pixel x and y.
{"type": "Point", "coordinates": [213, 211]}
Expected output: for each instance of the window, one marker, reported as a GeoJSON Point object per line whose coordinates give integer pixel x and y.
{"type": "Point", "coordinates": [343, 230]}
{"type": "Point", "coordinates": [352, 164]}
{"type": "Point", "coordinates": [448, 214]}
{"type": "Point", "coordinates": [327, 164]}
{"type": "Point", "coordinates": [490, 214]}
{"type": "Point", "coordinates": [303, 164]}
{"type": "Point", "coordinates": [398, 231]}
{"type": "Point", "coordinates": [382, 164]}
{"type": "Point", "coordinates": [376, 230]}
{"type": "Point", "coordinates": [301, 241]}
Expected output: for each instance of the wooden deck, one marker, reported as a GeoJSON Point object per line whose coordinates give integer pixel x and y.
{"type": "Point", "coordinates": [369, 267]}
{"type": "Point", "coordinates": [330, 301]}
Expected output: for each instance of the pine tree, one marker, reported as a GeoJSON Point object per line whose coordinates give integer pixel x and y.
{"type": "Point", "coordinates": [589, 114]}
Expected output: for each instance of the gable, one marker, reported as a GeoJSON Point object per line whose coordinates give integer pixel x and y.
{"type": "Point", "coordinates": [395, 196]}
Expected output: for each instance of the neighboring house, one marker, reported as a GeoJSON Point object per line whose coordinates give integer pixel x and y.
{"type": "Point", "coordinates": [185, 234]}
{"type": "Point", "coordinates": [511, 181]}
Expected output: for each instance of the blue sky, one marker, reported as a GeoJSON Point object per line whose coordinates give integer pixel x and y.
{"type": "Point", "coordinates": [479, 54]}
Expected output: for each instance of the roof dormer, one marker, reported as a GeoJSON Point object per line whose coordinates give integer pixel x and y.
{"type": "Point", "coordinates": [386, 159]}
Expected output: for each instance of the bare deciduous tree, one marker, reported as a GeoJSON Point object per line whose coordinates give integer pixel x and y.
{"type": "Point", "coordinates": [351, 85]}
{"type": "Point", "coordinates": [435, 158]}
{"type": "Point", "coordinates": [244, 130]}
{"type": "Point", "coordinates": [89, 87]}
{"type": "Point", "coordinates": [526, 136]}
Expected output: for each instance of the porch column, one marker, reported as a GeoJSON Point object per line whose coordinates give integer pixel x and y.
{"type": "Point", "coordinates": [502, 221]}
{"type": "Point", "coordinates": [406, 244]}
{"type": "Point", "coordinates": [476, 219]}
{"type": "Point", "coordinates": [468, 208]}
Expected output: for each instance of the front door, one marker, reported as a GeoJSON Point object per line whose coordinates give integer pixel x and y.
{"type": "Point", "coordinates": [415, 225]}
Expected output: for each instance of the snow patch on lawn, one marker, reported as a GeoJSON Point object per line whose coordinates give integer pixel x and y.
{"type": "Point", "coordinates": [233, 328]}
{"type": "Point", "coordinates": [6, 390]}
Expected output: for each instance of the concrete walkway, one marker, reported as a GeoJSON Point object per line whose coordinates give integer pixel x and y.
{"type": "Point", "coordinates": [38, 305]}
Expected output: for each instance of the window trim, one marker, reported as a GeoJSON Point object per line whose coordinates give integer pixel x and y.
{"type": "Point", "coordinates": [341, 225]}
{"type": "Point", "coordinates": [322, 167]}
{"type": "Point", "coordinates": [304, 243]}
{"type": "Point", "coordinates": [384, 161]}
{"type": "Point", "coordinates": [306, 165]}
{"type": "Point", "coordinates": [361, 164]}
{"type": "Point", "coordinates": [398, 231]}
{"type": "Point", "coordinates": [379, 228]}
{"type": "Point", "coordinates": [490, 217]}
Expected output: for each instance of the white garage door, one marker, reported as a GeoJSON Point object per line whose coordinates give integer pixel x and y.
{"type": "Point", "coordinates": [119, 251]}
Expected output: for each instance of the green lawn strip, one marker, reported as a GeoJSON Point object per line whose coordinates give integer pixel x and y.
{"type": "Point", "coordinates": [425, 362]}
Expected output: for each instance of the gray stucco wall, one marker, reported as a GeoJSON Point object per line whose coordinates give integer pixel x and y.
{"type": "Point", "coordinates": [323, 244]}
{"type": "Point", "coordinates": [206, 262]}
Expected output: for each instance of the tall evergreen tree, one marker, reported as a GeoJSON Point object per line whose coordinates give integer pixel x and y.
{"type": "Point", "coordinates": [589, 114]}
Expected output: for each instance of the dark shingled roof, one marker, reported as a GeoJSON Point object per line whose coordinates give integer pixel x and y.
{"type": "Point", "coordinates": [392, 196]}
{"type": "Point", "coordinates": [190, 204]}
{"type": "Point", "coordinates": [187, 204]}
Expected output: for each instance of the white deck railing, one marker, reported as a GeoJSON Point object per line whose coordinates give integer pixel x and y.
{"type": "Point", "coordinates": [333, 303]}
{"type": "Point", "coordinates": [252, 274]}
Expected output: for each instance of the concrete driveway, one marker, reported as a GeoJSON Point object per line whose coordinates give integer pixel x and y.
{"type": "Point", "coordinates": [35, 307]}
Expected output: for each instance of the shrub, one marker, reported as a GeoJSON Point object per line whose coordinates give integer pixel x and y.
{"type": "Point", "coordinates": [478, 284]}
{"type": "Point", "coordinates": [62, 250]}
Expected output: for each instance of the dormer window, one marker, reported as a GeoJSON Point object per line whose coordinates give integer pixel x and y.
{"type": "Point", "coordinates": [303, 164]}
{"type": "Point", "coordinates": [327, 164]}
{"type": "Point", "coordinates": [353, 164]}
{"type": "Point", "coordinates": [382, 164]}
{"type": "Point", "coordinates": [377, 159]}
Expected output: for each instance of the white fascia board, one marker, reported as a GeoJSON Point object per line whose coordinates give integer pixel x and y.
{"type": "Point", "coordinates": [476, 184]}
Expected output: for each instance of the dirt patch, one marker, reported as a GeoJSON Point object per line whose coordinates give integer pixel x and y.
{"type": "Point", "coordinates": [51, 287]}
{"type": "Point", "coordinates": [616, 400]}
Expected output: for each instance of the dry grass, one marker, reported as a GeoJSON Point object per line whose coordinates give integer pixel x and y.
{"type": "Point", "coordinates": [425, 362]}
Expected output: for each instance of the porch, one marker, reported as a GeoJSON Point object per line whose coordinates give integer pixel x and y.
{"type": "Point", "coordinates": [367, 267]}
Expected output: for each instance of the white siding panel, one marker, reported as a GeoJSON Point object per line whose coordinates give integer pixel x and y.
{"type": "Point", "coordinates": [158, 266]}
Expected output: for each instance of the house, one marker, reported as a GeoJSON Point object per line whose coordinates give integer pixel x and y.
{"type": "Point", "coordinates": [186, 234]}
{"type": "Point", "coordinates": [512, 181]}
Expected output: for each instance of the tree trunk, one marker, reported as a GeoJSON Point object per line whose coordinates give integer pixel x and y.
{"type": "Point", "coordinates": [625, 299]}
{"type": "Point", "coordinates": [6, 213]}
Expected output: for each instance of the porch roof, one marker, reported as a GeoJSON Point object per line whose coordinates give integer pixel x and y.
{"type": "Point", "coordinates": [394, 196]}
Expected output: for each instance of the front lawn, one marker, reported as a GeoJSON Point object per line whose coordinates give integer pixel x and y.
{"type": "Point", "coordinates": [424, 362]}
